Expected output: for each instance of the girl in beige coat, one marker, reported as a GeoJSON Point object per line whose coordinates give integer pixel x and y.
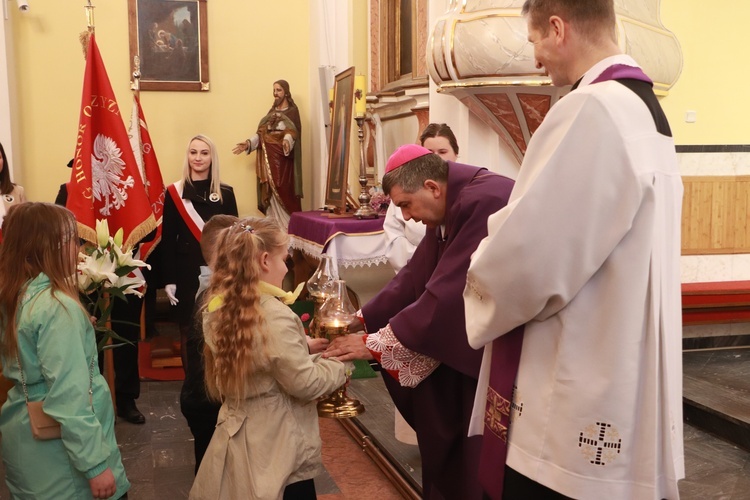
{"type": "Point", "coordinates": [267, 442]}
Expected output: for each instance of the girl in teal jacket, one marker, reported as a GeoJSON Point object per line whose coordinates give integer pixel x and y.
{"type": "Point", "coordinates": [44, 325]}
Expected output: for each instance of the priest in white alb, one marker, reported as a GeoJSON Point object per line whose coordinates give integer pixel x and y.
{"type": "Point", "coordinates": [586, 257]}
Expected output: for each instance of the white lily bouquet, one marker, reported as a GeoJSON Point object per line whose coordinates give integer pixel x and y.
{"type": "Point", "coordinates": [104, 275]}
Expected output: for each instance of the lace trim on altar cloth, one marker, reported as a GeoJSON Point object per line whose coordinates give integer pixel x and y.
{"type": "Point", "coordinates": [314, 250]}
{"type": "Point", "coordinates": [369, 261]}
{"type": "Point", "coordinates": [412, 367]}
{"type": "Point", "coordinates": [309, 248]}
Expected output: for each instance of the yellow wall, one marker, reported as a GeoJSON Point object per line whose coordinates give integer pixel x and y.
{"type": "Point", "coordinates": [714, 76]}
{"type": "Point", "coordinates": [360, 41]}
{"type": "Point", "coordinates": [251, 44]}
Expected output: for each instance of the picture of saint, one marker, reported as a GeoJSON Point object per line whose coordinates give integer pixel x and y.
{"type": "Point", "coordinates": [338, 159]}
{"type": "Point", "coordinates": [168, 40]}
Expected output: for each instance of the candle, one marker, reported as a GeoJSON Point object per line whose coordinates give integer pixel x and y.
{"type": "Point", "coordinates": [360, 96]}
{"type": "Point", "coordinates": [330, 96]}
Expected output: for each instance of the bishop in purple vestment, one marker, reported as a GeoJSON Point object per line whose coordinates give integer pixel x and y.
{"type": "Point", "coordinates": [416, 323]}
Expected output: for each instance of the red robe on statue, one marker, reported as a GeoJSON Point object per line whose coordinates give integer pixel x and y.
{"type": "Point", "coordinates": [279, 176]}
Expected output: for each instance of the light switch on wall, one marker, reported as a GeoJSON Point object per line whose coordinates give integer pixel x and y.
{"type": "Point", "coordinates": [690, 116]}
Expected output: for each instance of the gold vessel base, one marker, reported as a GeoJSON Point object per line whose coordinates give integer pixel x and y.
{"type": "Point", "coordinates": [339, 405]}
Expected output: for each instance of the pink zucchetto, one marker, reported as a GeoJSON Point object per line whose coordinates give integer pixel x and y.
{"type": "Point", "coordinates": [405, 154]}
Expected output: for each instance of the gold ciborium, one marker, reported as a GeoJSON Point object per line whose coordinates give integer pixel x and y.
{"type": "Point", "coordinates": [336, 314]}
{"type": "Point", "coordinates": [319, 287]}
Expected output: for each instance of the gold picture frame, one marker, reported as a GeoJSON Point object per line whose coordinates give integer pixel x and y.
{"type": "Point", "coordinates": [170, 37]}
{"type": "Point", "coordinates": [338, 157]}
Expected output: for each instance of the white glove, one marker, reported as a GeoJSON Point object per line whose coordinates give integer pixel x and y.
{"type": "Point", "coordinates": [171, 291]}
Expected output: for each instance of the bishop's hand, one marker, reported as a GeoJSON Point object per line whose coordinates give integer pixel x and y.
{"type": "Point", "coordinates": [348, 348]}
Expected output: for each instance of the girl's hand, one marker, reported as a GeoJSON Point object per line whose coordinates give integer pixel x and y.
{"type": "Point", "coordinates": [317, 345]}
{"type": "Point", "coordinates": [103, 485]}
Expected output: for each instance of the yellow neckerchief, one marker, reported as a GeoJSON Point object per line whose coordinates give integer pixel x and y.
{"type": "Point", "coordinates": [287, 298]}
{"type": "Point", "coordinates": [215, 303]}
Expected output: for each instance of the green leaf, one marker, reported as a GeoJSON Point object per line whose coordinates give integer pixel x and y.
{"type": "Point", "coordinates": [107, 334]}
{"type": "Point", "coordinates": [125, 270]}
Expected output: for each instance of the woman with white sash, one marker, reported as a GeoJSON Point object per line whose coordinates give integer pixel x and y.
{"type": "Point", "coordinates": [189, 202]}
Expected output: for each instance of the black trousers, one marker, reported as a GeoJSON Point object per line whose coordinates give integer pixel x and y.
{"type": "Point", "coordinates": [301, 490]}
{"type": "Point", "coordinates": [127, 377]}
{"type": "Point", "coordinates": [519, 487]}
{"type": "Point", "coordinates": [202, 422]}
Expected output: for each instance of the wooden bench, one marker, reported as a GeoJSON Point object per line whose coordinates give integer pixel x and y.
{"type": "Point", "coordinates": [715, 302]}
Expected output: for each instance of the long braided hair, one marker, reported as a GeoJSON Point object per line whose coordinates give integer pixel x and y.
{"type": "Point", "coordinates": [236, 332]}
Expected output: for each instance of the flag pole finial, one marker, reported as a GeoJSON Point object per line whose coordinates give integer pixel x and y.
{"type": "Point", "coordinates": [89, 16]}
{"type": "Point", "coordinates": [85, 35]}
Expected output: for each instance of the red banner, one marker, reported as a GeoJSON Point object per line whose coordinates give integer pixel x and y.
{"type": "Point", "coordinates": [148, 165]}
{"type": "Point", "coordinates": [105, 182]}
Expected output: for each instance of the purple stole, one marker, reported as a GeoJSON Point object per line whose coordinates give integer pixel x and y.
{"type": "Point", "coordinates": [506, 354]}
{"type": "Point", "coordinates": [622, 72]}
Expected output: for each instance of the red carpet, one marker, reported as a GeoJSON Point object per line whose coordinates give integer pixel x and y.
{"type": "Point", "coordinates": [147, 371]}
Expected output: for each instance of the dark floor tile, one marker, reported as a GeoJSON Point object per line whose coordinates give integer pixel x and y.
{"type": "Point", "coordinates": [171, 455]}
{"type": "Point", "coordinates": [145, 491]}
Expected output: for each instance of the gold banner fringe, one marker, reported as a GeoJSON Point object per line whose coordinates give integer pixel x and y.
{"type": "Point", "coordinates": [140, 232]}
{"type": "Point", "coordinates": [84, 38]}
{"type": "Point", "coordinates": [86, 233]}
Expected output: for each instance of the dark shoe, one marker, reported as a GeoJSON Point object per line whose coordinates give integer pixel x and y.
{"type": "Point", "coordinates": [128, 411]}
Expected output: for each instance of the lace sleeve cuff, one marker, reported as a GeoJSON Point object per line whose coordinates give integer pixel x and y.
{"type": "Point", "coordinates": [408, 367]}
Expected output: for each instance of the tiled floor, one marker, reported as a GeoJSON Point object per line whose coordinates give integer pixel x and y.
{"type": "Point", "coordinates": [158, 456]}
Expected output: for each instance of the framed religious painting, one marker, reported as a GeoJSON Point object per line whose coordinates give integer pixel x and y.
{"type": "Point", "coordinates": [338, 156]}
{"type": "Point", "coordinates": [170, 39]}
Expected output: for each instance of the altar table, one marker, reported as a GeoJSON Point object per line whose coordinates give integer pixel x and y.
{"type": "Point", "coordinates": [356, 246]}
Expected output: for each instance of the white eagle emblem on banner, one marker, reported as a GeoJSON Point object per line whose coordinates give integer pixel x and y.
{"type": "Point", "coordinates": [107, 167]}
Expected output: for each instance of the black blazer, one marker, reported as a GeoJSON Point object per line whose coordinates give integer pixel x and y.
{"type": "Point", "coordinates": [181, 256]}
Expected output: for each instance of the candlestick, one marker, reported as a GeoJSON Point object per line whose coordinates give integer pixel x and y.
{"type": "Point", "coordinates": [365, 211]}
